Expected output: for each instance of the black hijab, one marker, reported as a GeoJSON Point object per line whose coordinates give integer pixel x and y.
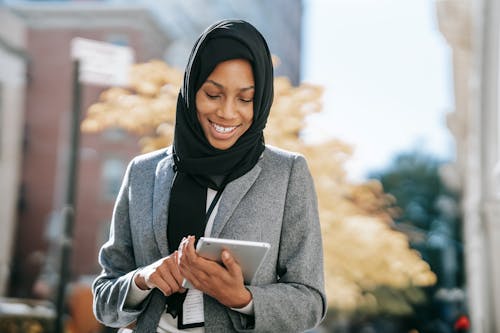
{"type": "Point", "coordinates": [199, 165]}
{"type": "Point", "coordinates": [225, 40]}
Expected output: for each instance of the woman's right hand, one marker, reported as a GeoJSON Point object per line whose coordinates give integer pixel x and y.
{"type": "Point", "coordinates": [163, 274]}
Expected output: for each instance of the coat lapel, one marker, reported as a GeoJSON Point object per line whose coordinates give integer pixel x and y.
{"type": "Point", "coordinates": [164, 177]}
{"type": "Point", "coordinates": [231, 197]}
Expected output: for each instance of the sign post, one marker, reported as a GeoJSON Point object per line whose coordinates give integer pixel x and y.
{"type": "Point", "coordinates": [94, 63]}
{"type": "Point", "coordinates": [102, 64]}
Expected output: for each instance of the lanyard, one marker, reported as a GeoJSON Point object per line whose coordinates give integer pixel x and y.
{"type": "Point", "coordinates": [213, 204]}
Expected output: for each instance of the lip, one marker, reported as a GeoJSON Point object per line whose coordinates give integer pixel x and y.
{"type": "Point", "coordinates": [222, 135]}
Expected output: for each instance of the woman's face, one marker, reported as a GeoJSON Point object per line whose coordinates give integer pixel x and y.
{"type": "Point", "coordinates": [224, 103]}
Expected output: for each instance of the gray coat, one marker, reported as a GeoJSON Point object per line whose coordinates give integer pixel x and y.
{"type": "Point", "coordinates": [274, 202]}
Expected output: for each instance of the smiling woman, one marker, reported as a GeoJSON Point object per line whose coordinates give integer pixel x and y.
{"type": "Point", "coordinates": [224, 103]}
{"type": "Point", "coordinates": [218, 180]}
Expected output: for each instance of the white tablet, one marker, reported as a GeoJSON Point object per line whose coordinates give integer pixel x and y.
{"type": "Point", "coordinates": [248, 254]}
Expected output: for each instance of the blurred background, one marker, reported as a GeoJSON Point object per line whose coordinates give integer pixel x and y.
{"type": "Point", "coordinates": [394, 104]}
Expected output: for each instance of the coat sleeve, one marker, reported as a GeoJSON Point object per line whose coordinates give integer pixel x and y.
{"type": "Point", "coordinates": [297, 302]}
{"type": "Point", "coordinates": [116, 258]}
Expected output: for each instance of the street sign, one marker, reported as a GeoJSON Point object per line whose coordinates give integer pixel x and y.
{"type": "Point", "coordinates": [102, 63]}
{"type": "Point", "coordinates": [96, 63]}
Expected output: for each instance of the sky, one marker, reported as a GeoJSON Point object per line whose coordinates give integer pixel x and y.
{"type": "Point", "coordinates": [386, 69]}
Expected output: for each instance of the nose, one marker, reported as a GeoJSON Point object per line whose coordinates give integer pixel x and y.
{"type": "Point", "coordinates": [227, 109]}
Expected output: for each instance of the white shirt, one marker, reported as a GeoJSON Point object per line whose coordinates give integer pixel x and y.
{"type": "Point", "coordinates": [193, 304]}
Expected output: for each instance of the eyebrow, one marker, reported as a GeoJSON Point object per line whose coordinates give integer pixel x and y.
{"type": "Point", "coordinates": [222, 87]}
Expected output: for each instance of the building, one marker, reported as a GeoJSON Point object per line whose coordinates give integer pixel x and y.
{"type": "Point", "coordinates": [153, 32]}
{"type": "Point", "coordinates": [13, 66]}
{"type": "Point", "coordinates": [472, 29]}
{"type": "Point", "coordinates": [103, 157]}
{"type": "Point", "coordinates": [280, 21]}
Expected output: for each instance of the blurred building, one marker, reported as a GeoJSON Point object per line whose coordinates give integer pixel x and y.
{"type": "Point", "coordinates": [280, 21]}
{"type": "Point", "coordinates": [103, 157]}
{"type": "Point", "coordinates": [13, 63]}
{"type": "Point", "coordinates": [472, 29]}
{"type": "Point", "coordinates": [151, 31]}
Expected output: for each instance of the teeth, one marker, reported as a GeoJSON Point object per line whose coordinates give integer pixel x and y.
{"type": "Point", "coordinates": [222, 129]}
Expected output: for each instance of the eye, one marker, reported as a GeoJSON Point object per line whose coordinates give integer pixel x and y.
{"type": "Point", "coordinates": [244, 100]}
{"type": "Point", "coordinates": [210, 96]}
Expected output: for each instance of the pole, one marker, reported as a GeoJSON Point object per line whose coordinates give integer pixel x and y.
{"type": "Point", "coordinates": [68, 211]}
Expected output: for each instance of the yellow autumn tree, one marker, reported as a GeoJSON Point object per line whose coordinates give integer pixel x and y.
{"type": "Point", "coordinates": [369, 266]}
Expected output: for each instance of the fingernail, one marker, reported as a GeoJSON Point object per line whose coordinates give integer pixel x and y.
{"type": "Point", "coordinates": [225, 254]}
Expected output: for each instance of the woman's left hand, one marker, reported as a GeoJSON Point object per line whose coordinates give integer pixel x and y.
{"type": "Point", "coordinates": [224, 283]}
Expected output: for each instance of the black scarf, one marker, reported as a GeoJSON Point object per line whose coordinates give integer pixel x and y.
{"type": "Point", "coordinates": [198, 164]}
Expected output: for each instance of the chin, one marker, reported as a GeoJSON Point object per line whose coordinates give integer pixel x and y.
{"type": "Point", "coordinates": [222, 147]}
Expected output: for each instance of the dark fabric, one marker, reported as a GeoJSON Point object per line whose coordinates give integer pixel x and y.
{"type": "Point", "coordinates": [173, 304]}
{"type": "Point", "coordinates": [186, 214]}
{"type": "Point", "coordinates": [199, 165]}
{"type": "Point", "coordinates": [227, 39]}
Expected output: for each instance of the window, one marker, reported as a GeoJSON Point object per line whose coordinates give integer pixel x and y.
{"type": "Point", "coordinates": [112, 173]}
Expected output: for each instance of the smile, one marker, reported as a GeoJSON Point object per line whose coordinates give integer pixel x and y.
{"type": "Point", "coordinates": [222, 129]}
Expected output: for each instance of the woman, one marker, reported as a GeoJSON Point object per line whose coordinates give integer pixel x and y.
{"type": "Point", "coordinates": [218, 180]}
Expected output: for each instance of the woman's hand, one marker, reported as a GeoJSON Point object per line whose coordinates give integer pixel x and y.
{"type": "Point", "coordinates": [224, 283]}
{"type": "Point", "coordinates": [163, 274]}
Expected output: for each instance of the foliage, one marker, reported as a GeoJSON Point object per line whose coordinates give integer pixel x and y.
{"type": "Point", "coordinates": [363, 254]}
{"type": "Point", "coordinates": [413, 179]}
{"type": "Point", "coordinates": [429, 211]}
